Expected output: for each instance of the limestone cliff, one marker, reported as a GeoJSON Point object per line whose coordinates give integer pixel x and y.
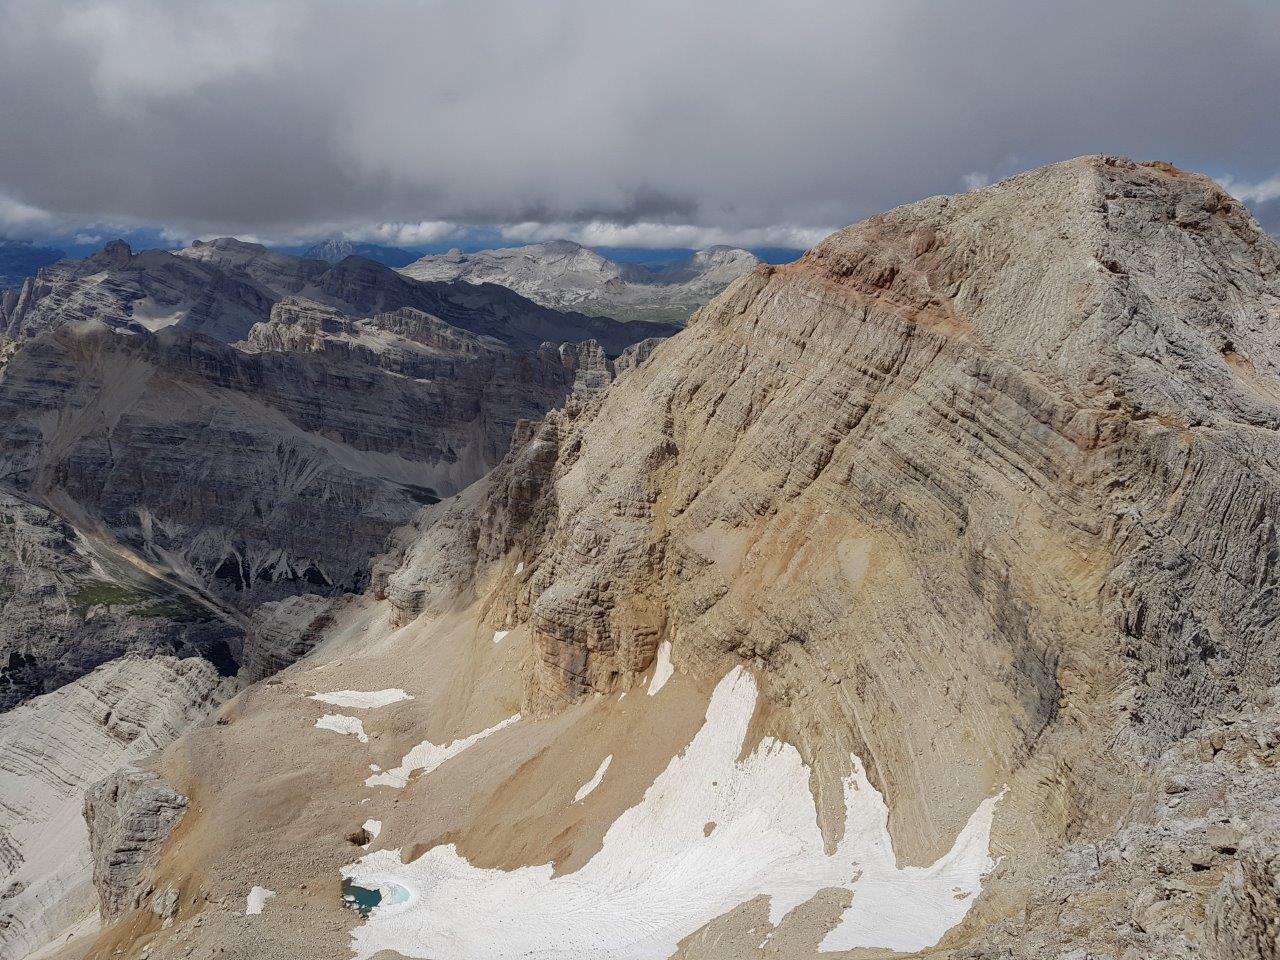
{"type": "Point", "coordinates": [130, 816]}
{"type": "Point", "coordinates": [52, 750]}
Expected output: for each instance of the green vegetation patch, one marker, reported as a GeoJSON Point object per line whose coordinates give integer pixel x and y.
{"type": "Point", "coordinates": [140, 601]}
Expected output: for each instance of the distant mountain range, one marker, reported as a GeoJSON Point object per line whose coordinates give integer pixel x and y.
{"type": "Point", "coordinates": [568, 276]}
{"type": "Point", "coordinates": [334, 250]}
{"type": "Point", "coordinates": [20, 259]}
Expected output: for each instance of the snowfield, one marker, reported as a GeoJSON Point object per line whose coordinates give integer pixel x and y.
{"type": "Point", "coordinates": [663, 671]}
{"type": "Point", "coordinates": [256, 900]}
{"type": "Point", "coordinates": [426, 756]}
{"type": "Point", "coordinates": [586, 788]}
{"type": "Point", "coordinates": [357, 700]}
{"type": "Point", "coordinates": [659, 876]}
{"type": "Point", "coordinates": [350, 726]}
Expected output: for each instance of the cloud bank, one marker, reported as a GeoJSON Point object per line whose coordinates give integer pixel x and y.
{"type": "Point", "coordinates": [662, 123]}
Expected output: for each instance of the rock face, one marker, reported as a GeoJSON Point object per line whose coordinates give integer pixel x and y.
{"type": "Point", "coordinates": [1244, 923]}
{"type": "Point", "coordinates": [1191, 871]}
{"type": "Point", "coordinates": [129, 816]}
{"type": "Point", "coordinates": [52, 750]}
{"type": "Point", "coordinates": [254, 473]}
{"type": "Point", "coordinates": [569, 276]}
{"type": "Point", "coordinates": [283, 632]}
{"type": "Point", "coordinates": [1009, 451]}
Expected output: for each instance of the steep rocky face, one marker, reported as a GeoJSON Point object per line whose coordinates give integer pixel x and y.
{"type": "Point", "coordinates": [1243, 921]}
{"type": "Point", "coordinates": [129, 816]}
{"type": "Point", "coordinates": [52, 750]}
{"type": "Point", "coordinates": [223, 287]}
{"type": "Point", "coordinates": [1190, 872]}
{"type": "Point", "coordinates": [567, 275]}
{"type": "Point", "coordinates": [980, 485]}
{"type": "Point", "coordinates": [256, 474]}
{"type": "Point", "coordinates": [283, 632]}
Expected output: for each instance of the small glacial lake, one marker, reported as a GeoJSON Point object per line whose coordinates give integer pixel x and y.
{"type": "Point", "coordinates": [363, 900]}
{"type": "Point", "coordinates": [360, 899]}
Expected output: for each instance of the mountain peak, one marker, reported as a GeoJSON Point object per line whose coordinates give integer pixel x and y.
{"type": "Point", "coordinates": [116, 252]}
{"type": "Point", "coordinates": [559, 247]}
{"type": "Point", "coordinates": [230, 244]}
{"type": "Point", "coordinates": [567, 275]}
{"type": "Point", "coordinates": [335, 249]}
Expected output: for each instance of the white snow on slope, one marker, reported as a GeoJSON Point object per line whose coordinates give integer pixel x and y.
{"type": "Point", "coordinates": [594, 782]}
{"type": "Point", "coordinates": [426, 756]}
{"type": "Point", "coordinates": [256, 900]}
{"type": "Point", "coordinates": [357, 700]}
{"type": "Point", "coordinates": [500, 635]}
{"type": "Point", "coordinates": [658, 877]}
{"type": "Point", "coordinates": [663, 671]}
{"type": "Point", "coordinates": [351, 726]}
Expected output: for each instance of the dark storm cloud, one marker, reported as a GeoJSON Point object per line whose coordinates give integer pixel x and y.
{"type": "Point", "coordinates": [720, 119]}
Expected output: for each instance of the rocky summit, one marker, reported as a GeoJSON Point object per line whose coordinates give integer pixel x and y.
{"type": "Point", "coordinates": [569, 276]}
{"type": "Point", "coordinates": [916, 599]}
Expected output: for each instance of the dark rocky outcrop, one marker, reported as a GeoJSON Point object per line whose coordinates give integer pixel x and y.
{"type": "Point", "coordinates": [130, 815]}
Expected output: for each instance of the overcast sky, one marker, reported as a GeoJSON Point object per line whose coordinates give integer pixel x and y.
{"type": "Point", "coordinates": [625, 123]}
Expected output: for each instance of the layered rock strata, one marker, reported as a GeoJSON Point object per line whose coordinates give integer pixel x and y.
{"type": "Point", "coordinates": [52, 751]}
{"type": "Point", "coordinates": [130, 816]}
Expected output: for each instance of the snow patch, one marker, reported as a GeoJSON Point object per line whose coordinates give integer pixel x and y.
{"type": "Point", "coordinates": [500, 635]}
{"type": "Point", "coordinates": [426, 756]}
{"type": "Point", "coordinates": [594, 782]}
{"type": "Point", "coordinates": [520, 567]}
{"type": "Point", "coordinates": [357, 700]}
{"type": "Point", "coordinates": [351, 726]}
{"type": "Point", "coordinates": [659, 876]}
{"type": "Point", "coordinates": [256, 900]}
{"type": "Point", "coordinates": [663, 671]}
{"type": "Point", "coordinates": [373, 827]}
